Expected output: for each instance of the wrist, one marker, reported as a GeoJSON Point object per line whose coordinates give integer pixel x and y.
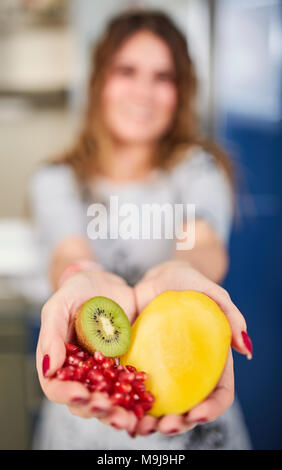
{"type": "Point", "coordinates": [181, 262]}
{"type": "Point", "coordinates": [78, 266]}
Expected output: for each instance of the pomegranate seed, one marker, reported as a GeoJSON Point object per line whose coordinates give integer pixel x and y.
{"type": "Point", "coordinates": [117, 398]}
{"type": "Point", "coordinates": [92, 387]}
{"type": "Point", "coordinates": [131, 368]}
{"type": "Point", "coordinates": [135, 397]}
{"type": "Point", "coordinates": [138, 410]}
{"type": "Point", "coordinates": [126, 387]}
{"type": "Point", "coordinates": [94, 376]}
{"type": "Point", "coordinates": [79, 374]}
{"type": "Point", "coordinates": [117, 384]}
{"type": "Point", "coordinates": [65, 373]}
{"type": "Point", "coordinates": [126, 376]}
{"type": "Point", "coordinates": [127, 401]}
{"type": "Point", "coordinates": [123, 387]}
{"type": "Point", "coordinates": [90, 361]}
{"type": "Point", "coordinates": [147, 396]}
{"type": "Point", "coordinates": [82, 355]}
{"type": "Point", "coordinates": [104, 386]}
{"type": "Point", "coordinates": [141, 376]}
{"type": "Point", "coordinates": [145, 405]}
{"type": "Point", "coordinates": [111, 373]}
{"type": "Point", "coordinates": [107, 363]}
{"type": "Point", "coordinates": [88, 364]}
{"type": "Point", "coordinates": [138, 386]}
{"type": "Point", "coordinates": [99, 357]}
{"type": "Point", "coordinates": [71, 348]}
{"type": "Point", "coordinates": [72, 360]}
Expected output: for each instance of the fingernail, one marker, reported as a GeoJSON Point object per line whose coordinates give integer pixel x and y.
{"type": "Point", "coordinates": [102, 412]}
{"type": "Point", "coordinates": [115, 425]}
{"type": "Point", "coordinates": [151, 431]}
{"type": "Point", "coordinates": [132, 434]}
{"type": "Point", "coordinates": [45, 364]}
{"type": "Point", "coordinates": [96, 408]}
{"type": "Point", "coordinates": [248, 344]}
{"type": "Point", "coordinates": [202, 420]}
{"type": "Point", "coordinates": [172, 431]}
{"type": "Point", "coordinates": [79, 400]}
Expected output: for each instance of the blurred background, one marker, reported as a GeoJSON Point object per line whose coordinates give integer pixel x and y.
{"type": "Point", "coordinates": [44, 58]}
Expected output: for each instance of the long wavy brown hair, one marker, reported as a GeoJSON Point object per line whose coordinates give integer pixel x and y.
{"type": "Point", "coordinates": [93, 141]}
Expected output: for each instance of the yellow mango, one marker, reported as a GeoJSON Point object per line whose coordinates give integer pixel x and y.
{"type": "Point", "coordinates": [181, 340]}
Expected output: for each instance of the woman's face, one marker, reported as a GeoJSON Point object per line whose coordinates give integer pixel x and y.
{"type": "Point", "coordinates": [139, 95]}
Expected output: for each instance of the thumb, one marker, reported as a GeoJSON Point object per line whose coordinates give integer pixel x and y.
{"type": "Point", "coordinates": [51, 351]}
{"type": "Point", "coordinates": [144, 291]}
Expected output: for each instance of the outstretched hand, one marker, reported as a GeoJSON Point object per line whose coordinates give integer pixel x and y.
{"type": "Point", "coordinates": [57, 329]}
{"type": "Point", "coordinates": [179, 275]}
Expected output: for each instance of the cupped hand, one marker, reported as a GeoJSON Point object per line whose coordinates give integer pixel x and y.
{"type": "Point", "coordinates": [57, 329]}
{"type": "Point", "coordinates": [179, 275]}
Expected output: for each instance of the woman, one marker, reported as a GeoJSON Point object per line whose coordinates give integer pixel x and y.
{"type": "Point", "coordinates": [139, 142]}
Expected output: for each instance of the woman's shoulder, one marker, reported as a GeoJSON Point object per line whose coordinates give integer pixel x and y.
{"type": "Point", "coordinates": [55, 177]}
{"type": "Point", "coordinates": [199, 167]}
{"type": "Point", "coordinates": [196, 161]}
{"type": "Point", "coordinates": [52, 171]}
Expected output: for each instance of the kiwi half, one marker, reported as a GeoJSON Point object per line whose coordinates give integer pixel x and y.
{"type": "Point", "coordinates": [102, 325]}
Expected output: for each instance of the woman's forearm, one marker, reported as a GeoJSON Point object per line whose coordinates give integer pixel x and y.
{"type": "Point", "coordinates": [69, 251]}
{"type": "Point", "coordinates": [209, 255]}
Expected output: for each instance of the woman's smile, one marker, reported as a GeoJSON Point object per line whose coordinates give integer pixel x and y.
{"type": "Point", "coordinates": [139, 113]}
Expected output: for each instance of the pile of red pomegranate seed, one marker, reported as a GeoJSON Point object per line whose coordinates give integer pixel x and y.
{"type": "Point", "coordinates": [123, 384]}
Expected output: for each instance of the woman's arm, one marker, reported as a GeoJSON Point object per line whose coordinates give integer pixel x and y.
{"type": "Point", "coordinates": [70, 250]}
{"type": "Point", "coordinates": [58, 215]}
{"type": "Point", "coordinates": [209, 255]}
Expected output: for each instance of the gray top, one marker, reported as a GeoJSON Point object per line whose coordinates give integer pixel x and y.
{"type": "Point", "coordinates": [59, 206]}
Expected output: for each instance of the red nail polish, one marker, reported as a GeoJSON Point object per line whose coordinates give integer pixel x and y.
{"type": "Point", "coordinates": [101, 412]}
{"type": "Point", "coordinates": [173, 431]}
{"type": "Point", "coordinates": [247, 343]}
{"type": "Point", "coordinates": [115, 425]}
{"type": "Point", "coordinates": [202, 420]}
{"type": "Point", "coordinates": [96, 408]}
{"type": "Point", "coordinates": [79, 400]}
{"type": "Point", "coordinates": [45, 364]}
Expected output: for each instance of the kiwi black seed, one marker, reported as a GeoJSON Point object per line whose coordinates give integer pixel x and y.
{"type": "Point", "coordinates": [101, 324]}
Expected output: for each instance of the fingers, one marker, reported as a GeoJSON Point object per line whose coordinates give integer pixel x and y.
{"type": "Point", "coordinates": [180, 276]}
{"type": "Point", "coordinates": [147, 425]}
{"type": "Point", "coordinates": [121, 419]}
{"type": "Point", "coordinates": [101, 407]}
{"type": "Point", "coordinates": [51, 351]}
{"type": "Point", "coordinates": [240, 339]}
{"type": "Point", "coordinates": [218, 401]}
{"type": "Point", "coordinates": [168, 425]}
{"type": "Point", "coordinates": [208, 410]}
{"type": "Point", "coordinates": [144, 293]}
{"type": "Point", "coordinates": [174, 424]}
{"type": "Point", "coordinates": [97, 406]}
{"type": "Point", "coordinates": [66, 392]}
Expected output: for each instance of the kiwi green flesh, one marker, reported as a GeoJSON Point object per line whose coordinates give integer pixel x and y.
{"type": "Point", "coordinates": [105, 326]}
